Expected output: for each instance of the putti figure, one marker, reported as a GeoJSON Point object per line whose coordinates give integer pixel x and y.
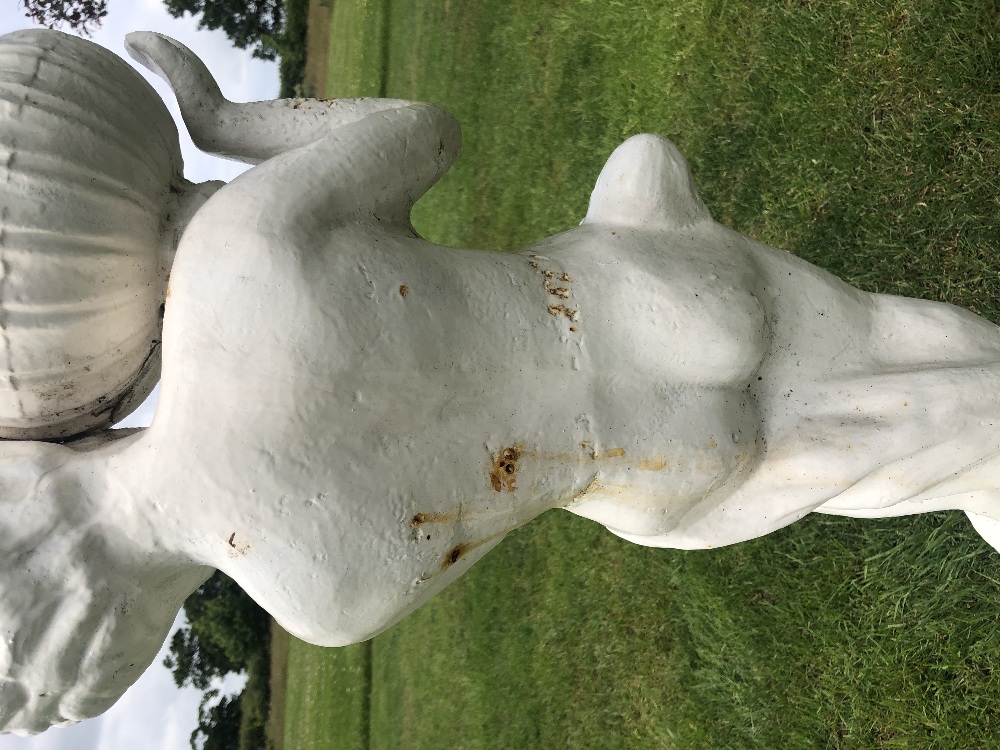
{"type": "Point", "coordinates": [351, 416]}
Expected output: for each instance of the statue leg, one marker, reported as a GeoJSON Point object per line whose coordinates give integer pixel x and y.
{"type": "Point", "coordinates": [248, 132]}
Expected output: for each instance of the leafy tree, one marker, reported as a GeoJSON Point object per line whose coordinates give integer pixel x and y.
{"type": "Point", "coordinates": [77, 14]}
{"type": "Point", "coordinates": [218, 723]}
{"type": "Point", "coordinates": [226, 629]}
{"type": "Point", "coordinates": [226, 632]}
{"type": "Point", "coordinates": [196, 661]}
{"type": "Point", "coordinates": [249, 24]}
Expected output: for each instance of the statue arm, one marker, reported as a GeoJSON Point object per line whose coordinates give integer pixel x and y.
{"type": "Point", "coordinates": [90, 575]}
{"type": "Point", "coordinates": [250, 132]}
{"type": "Point", "coordinates": [369, 172]}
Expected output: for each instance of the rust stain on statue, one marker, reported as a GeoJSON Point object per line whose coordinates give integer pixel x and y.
{"type": "Point", "coordinates": [457, 552]}
{"type": "Point", "coordinates": [503, 473]}
{"type": "Point", "coordinates": [610, 453]}
{"type": "Point", "coordinates": [601, 487]}
{"type": "Point", "coordinates": [454, 555]}
{"type": "Point", "coordinates": [506, 463]}
{"type": "Point", "coordinates": [404, 291]}
{"type": "Point", "coordinates": [569, 313]}
{"type": "Point", "coordinates": [419, 519]}
{"type": "Point", "coordinates": [620, 489]}
{"type": "Point", "coordinates": [590, 454]}
{"type": "Point", "coordinates": [653, 464]}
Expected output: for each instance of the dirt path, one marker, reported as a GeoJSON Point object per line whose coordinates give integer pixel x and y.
{"type": "Point", "coordinates": [279, 675]}
{"type": "Point", "coordinates": [317, 43]}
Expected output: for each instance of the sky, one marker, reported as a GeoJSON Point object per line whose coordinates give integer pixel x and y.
{"type": "Point", "coordinates": [154, 714]}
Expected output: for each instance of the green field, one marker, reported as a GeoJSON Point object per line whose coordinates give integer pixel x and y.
{"type": "Point", "coordinates": [861, 136]}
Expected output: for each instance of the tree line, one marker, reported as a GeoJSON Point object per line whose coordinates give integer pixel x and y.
{"type": "Point", "coordinates": [226, 633]}
{"type": "Point", "coordinates": [261, 26]}
{"type": "Point", "coordinates": [250, 24]}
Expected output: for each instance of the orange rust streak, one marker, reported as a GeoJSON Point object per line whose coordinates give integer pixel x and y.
{"type": "Point", "coordinates": [419, 519]}
{"type": "Point", "coordinates": [652, 464]}
{"type": "Point", "coordinates": [503, 473]}
{"type": "Point", "coordinates": [609, 488]}
{"type": "Point", "coordinates": [589, 455]}
{"type": "Point", "coordinates": [457, 552]}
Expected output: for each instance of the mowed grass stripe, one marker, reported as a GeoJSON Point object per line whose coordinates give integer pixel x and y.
{"type": "Point", "coordinates": [861, 136]}
{"type": "Point", "coordinates": [327, 697]}
{"type": "Point", "coordinates": [356, 57]}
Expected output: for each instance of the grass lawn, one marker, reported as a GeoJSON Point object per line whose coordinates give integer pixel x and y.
{"type": "Point", "coordinates": [861, 136]}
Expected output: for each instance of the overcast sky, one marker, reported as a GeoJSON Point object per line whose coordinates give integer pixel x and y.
{"type": "Point", "coordinates": [154, 714]}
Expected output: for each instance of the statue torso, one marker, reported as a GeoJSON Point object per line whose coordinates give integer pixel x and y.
{"type": "Point", "coordinates": [403, 405]}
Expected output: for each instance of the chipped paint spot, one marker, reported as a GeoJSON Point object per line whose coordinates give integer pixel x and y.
{"type": "Point", "coordinates": [549, 279]}
{"type": "Point", "coordinates": [404, 291]}
{"type": "Point", "coordinates": [552, 288]}
{"type": "Point", "coordinates": [238, 549]}
{"type": "Point", "coordinates": [503, 473]}
{"type": "Point", "coordinates": [567, 312]}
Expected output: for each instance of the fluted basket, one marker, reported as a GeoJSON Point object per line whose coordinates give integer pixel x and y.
{"type": "Point", "coordinates": [89, 162]}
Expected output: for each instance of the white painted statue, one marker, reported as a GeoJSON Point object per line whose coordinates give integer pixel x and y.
{"type": "Point", "coordinates": [351, 416]}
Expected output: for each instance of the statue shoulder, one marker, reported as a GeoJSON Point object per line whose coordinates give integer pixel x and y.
{"type": "Point", "coordinates": [646, 183]}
